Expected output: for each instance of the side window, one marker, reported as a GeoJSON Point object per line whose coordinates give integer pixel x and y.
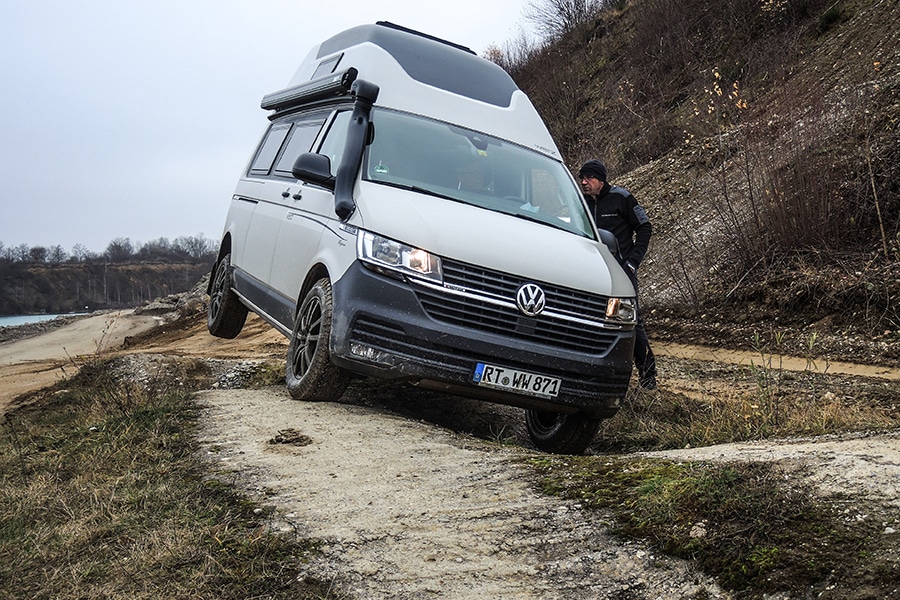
{"type": "Point", "coordinates": [335, 140]}
{"type": "Point", "coordinates": [265, 156]}
{"type": "Point", "coordinates": [302, 137]}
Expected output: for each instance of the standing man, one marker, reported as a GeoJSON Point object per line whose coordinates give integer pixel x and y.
{"type": "Point", "coordinates": [616, 210]}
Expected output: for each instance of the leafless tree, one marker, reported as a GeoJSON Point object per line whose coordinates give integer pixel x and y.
{"type": "Point", "coordinates": [554, 18]}
{"type": "Point", "coordinates": [196, 247]}
{"type": "Point", "coordinates": [119, 250]}
{"type": "Point", "coordinates": [21, 253]}
{"type": "Point", "coordinates": [56, 254]}
{"type": "Point", "coordinates": [80, 252]}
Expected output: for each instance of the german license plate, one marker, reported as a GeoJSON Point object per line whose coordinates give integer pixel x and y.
{"type": "Point", "coordinates": [512, 380]}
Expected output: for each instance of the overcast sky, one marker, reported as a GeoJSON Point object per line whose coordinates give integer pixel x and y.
{"type": "Point", "coordinates": [133, 118]}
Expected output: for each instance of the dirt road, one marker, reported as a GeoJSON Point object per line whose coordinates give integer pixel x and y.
{"type": "Point", "coordinates": [410, 510]}
{"type": "Point", "coordinates": [406, 507]}
{"type": "Point", "coordinates": [35, 362]}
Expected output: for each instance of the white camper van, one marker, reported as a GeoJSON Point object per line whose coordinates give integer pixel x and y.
{"type": "Point", "coordinates": [407, 216]}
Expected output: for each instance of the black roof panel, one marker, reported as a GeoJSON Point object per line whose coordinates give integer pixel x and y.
{"type": "Point", "coordinates": [431, 61]}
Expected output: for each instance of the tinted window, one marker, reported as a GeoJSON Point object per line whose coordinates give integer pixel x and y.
{"type": "Point", "coordinates": [335, 140]}
{"type": "Point", "coordinates": [302, 137]}
{"type": "Point", "coordinates": [265, 156]}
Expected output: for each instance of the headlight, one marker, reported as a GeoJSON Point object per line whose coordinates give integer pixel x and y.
{"type": "Point", "coordinates": [621, 309]}
{"type": "Point", "coordinates": [395, 259]}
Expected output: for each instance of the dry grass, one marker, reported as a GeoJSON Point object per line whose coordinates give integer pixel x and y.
{"type": "Point", "coordinates": [747, 524]}
{"type": "Point", "coordinates": [103, 495]}
{"type": "Point", "coordinates": [702, 404]}
{"type": "Point", "coordinates": [752, 526]}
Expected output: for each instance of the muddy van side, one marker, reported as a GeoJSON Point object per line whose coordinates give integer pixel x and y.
{"type": "Point", "coordinates": [407, 216]}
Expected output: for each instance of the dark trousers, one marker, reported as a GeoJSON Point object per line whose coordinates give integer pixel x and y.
{"type": "Point", "coordinates": [643, 355]}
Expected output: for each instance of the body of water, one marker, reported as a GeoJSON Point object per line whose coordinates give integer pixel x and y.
{"type": "Point", "coordinates": [14, 320]}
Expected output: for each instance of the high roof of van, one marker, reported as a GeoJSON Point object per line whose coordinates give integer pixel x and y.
{"type": "Point", "coordinates": [424, 75]}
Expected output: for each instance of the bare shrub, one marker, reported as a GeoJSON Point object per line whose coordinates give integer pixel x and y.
{"type": "Point", "coordinates": [515, 55]}
{"type": "Point", "coordinates": [637, 67]}
{"type": "Point", "coordinates": [555, 18]}
{"type": "Point", "coordinates": [801, 190]}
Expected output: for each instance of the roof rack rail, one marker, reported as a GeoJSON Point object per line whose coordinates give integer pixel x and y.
{"type": "Point", "coordinates": [424, 35]}
{"type": "Point", "coordinates": [337, 84]}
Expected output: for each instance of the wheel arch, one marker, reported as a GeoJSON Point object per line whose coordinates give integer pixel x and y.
{"type": "Point", "coordinates": [317, 272]}
{"type": "Point", "coordinates": [224, 249]}
{"type": "Point", "coordinates": [225, 246]}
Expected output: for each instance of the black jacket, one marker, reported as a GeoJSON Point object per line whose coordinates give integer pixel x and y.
{"type": "Point", "coordinates": [617, 211]}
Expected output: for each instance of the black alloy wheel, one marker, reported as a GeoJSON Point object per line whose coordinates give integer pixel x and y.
{"type": "Point", "coordinates": [309, 373]}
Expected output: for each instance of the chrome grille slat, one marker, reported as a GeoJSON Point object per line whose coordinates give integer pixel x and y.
{"type": "Point", "coordinates": [471, 309]}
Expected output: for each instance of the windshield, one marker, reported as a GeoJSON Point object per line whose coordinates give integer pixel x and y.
{"type": "Point", "coordinates": [465, 166]}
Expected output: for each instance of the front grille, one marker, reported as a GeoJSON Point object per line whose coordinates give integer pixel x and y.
{"type": "Point", "coordinates": [473, 309]}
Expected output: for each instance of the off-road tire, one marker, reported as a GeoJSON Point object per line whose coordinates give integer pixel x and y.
{"type": "Point", "coordinates": [560, 433]}
{"type": "Point", "coordinates": [225, 315]}
{"type": "Point", "coordinates": [309, 373]}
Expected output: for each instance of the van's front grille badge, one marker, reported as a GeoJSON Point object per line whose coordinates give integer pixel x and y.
{"type": "Point", "coordinates": [485, 301]}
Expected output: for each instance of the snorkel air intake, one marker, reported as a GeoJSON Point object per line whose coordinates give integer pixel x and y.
{"type": "Point", "coordinates": [357, 137]}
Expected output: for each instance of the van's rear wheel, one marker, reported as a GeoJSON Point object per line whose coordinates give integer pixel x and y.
{"type": "Point", "coordinates": [560, 433]}
{"type": "Point", "coordinates": [309, 373]}
{"type": "Point", "coordinates": [225, 315]}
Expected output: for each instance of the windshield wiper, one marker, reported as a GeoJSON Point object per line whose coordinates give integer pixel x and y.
{"type": "Point", "coordinates": [415, 188]}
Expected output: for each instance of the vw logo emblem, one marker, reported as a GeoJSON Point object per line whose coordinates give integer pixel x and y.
{"type": "Point", "coordinates": [531, 300]}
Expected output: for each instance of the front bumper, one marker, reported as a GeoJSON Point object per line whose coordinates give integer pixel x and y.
{"type": "Point", "coordinates": [387, 328]}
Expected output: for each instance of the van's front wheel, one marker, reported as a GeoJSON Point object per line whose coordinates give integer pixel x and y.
{"type": "Point", "coordinates": [309, 373]}
{"type": "Point", "coordinates": [560, 433]}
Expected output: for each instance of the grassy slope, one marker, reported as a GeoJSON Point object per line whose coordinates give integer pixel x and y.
{"type": "Point", "coordinates": [103, 495]}
{"type": "Point", "coordinates": [765, 144]}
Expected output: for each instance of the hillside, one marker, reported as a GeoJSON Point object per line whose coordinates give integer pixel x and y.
{"type": "Point", "coordinates": [79, 287]}
{"type": "Point", "coordinates": [762, 137]}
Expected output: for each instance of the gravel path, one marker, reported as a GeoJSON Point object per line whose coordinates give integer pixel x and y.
{"type": "Point", "coordinates": [412, 511]}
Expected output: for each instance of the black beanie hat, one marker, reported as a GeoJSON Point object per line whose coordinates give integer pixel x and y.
{"type": "Point", "coordinates": [593, 168]}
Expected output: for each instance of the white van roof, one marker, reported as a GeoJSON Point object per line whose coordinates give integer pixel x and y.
{"type": "Point", "coordinates": [424, 75]}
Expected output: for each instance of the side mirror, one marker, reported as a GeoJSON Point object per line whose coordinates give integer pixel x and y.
{"type": "Point", "coordinates": [610, 241]}
{"type": "Point", "coordinates": [314, 168]}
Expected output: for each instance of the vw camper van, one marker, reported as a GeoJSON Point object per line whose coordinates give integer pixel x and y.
{"type": "Point", "coordinates": [407, 216]}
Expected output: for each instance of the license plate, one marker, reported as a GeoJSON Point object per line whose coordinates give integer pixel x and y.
{"type": "Point", "coordinates": [511, 380]}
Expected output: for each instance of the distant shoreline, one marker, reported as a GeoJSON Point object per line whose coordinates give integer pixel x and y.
{"type": "Point", "coordinates": [17, 320]}
{"type": "Point", "coordinates": [9, 332]}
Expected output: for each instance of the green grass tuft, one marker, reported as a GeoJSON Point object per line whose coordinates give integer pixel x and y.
{"type": "Point", "coordinates": [748, 524]}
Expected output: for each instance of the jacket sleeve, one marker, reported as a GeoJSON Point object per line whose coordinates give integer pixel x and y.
{"type": "Point", "coordinates": [643, 229]}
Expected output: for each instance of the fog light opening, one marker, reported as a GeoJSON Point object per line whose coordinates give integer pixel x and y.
{"type": "Point", "coordinates": [369, 353]}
